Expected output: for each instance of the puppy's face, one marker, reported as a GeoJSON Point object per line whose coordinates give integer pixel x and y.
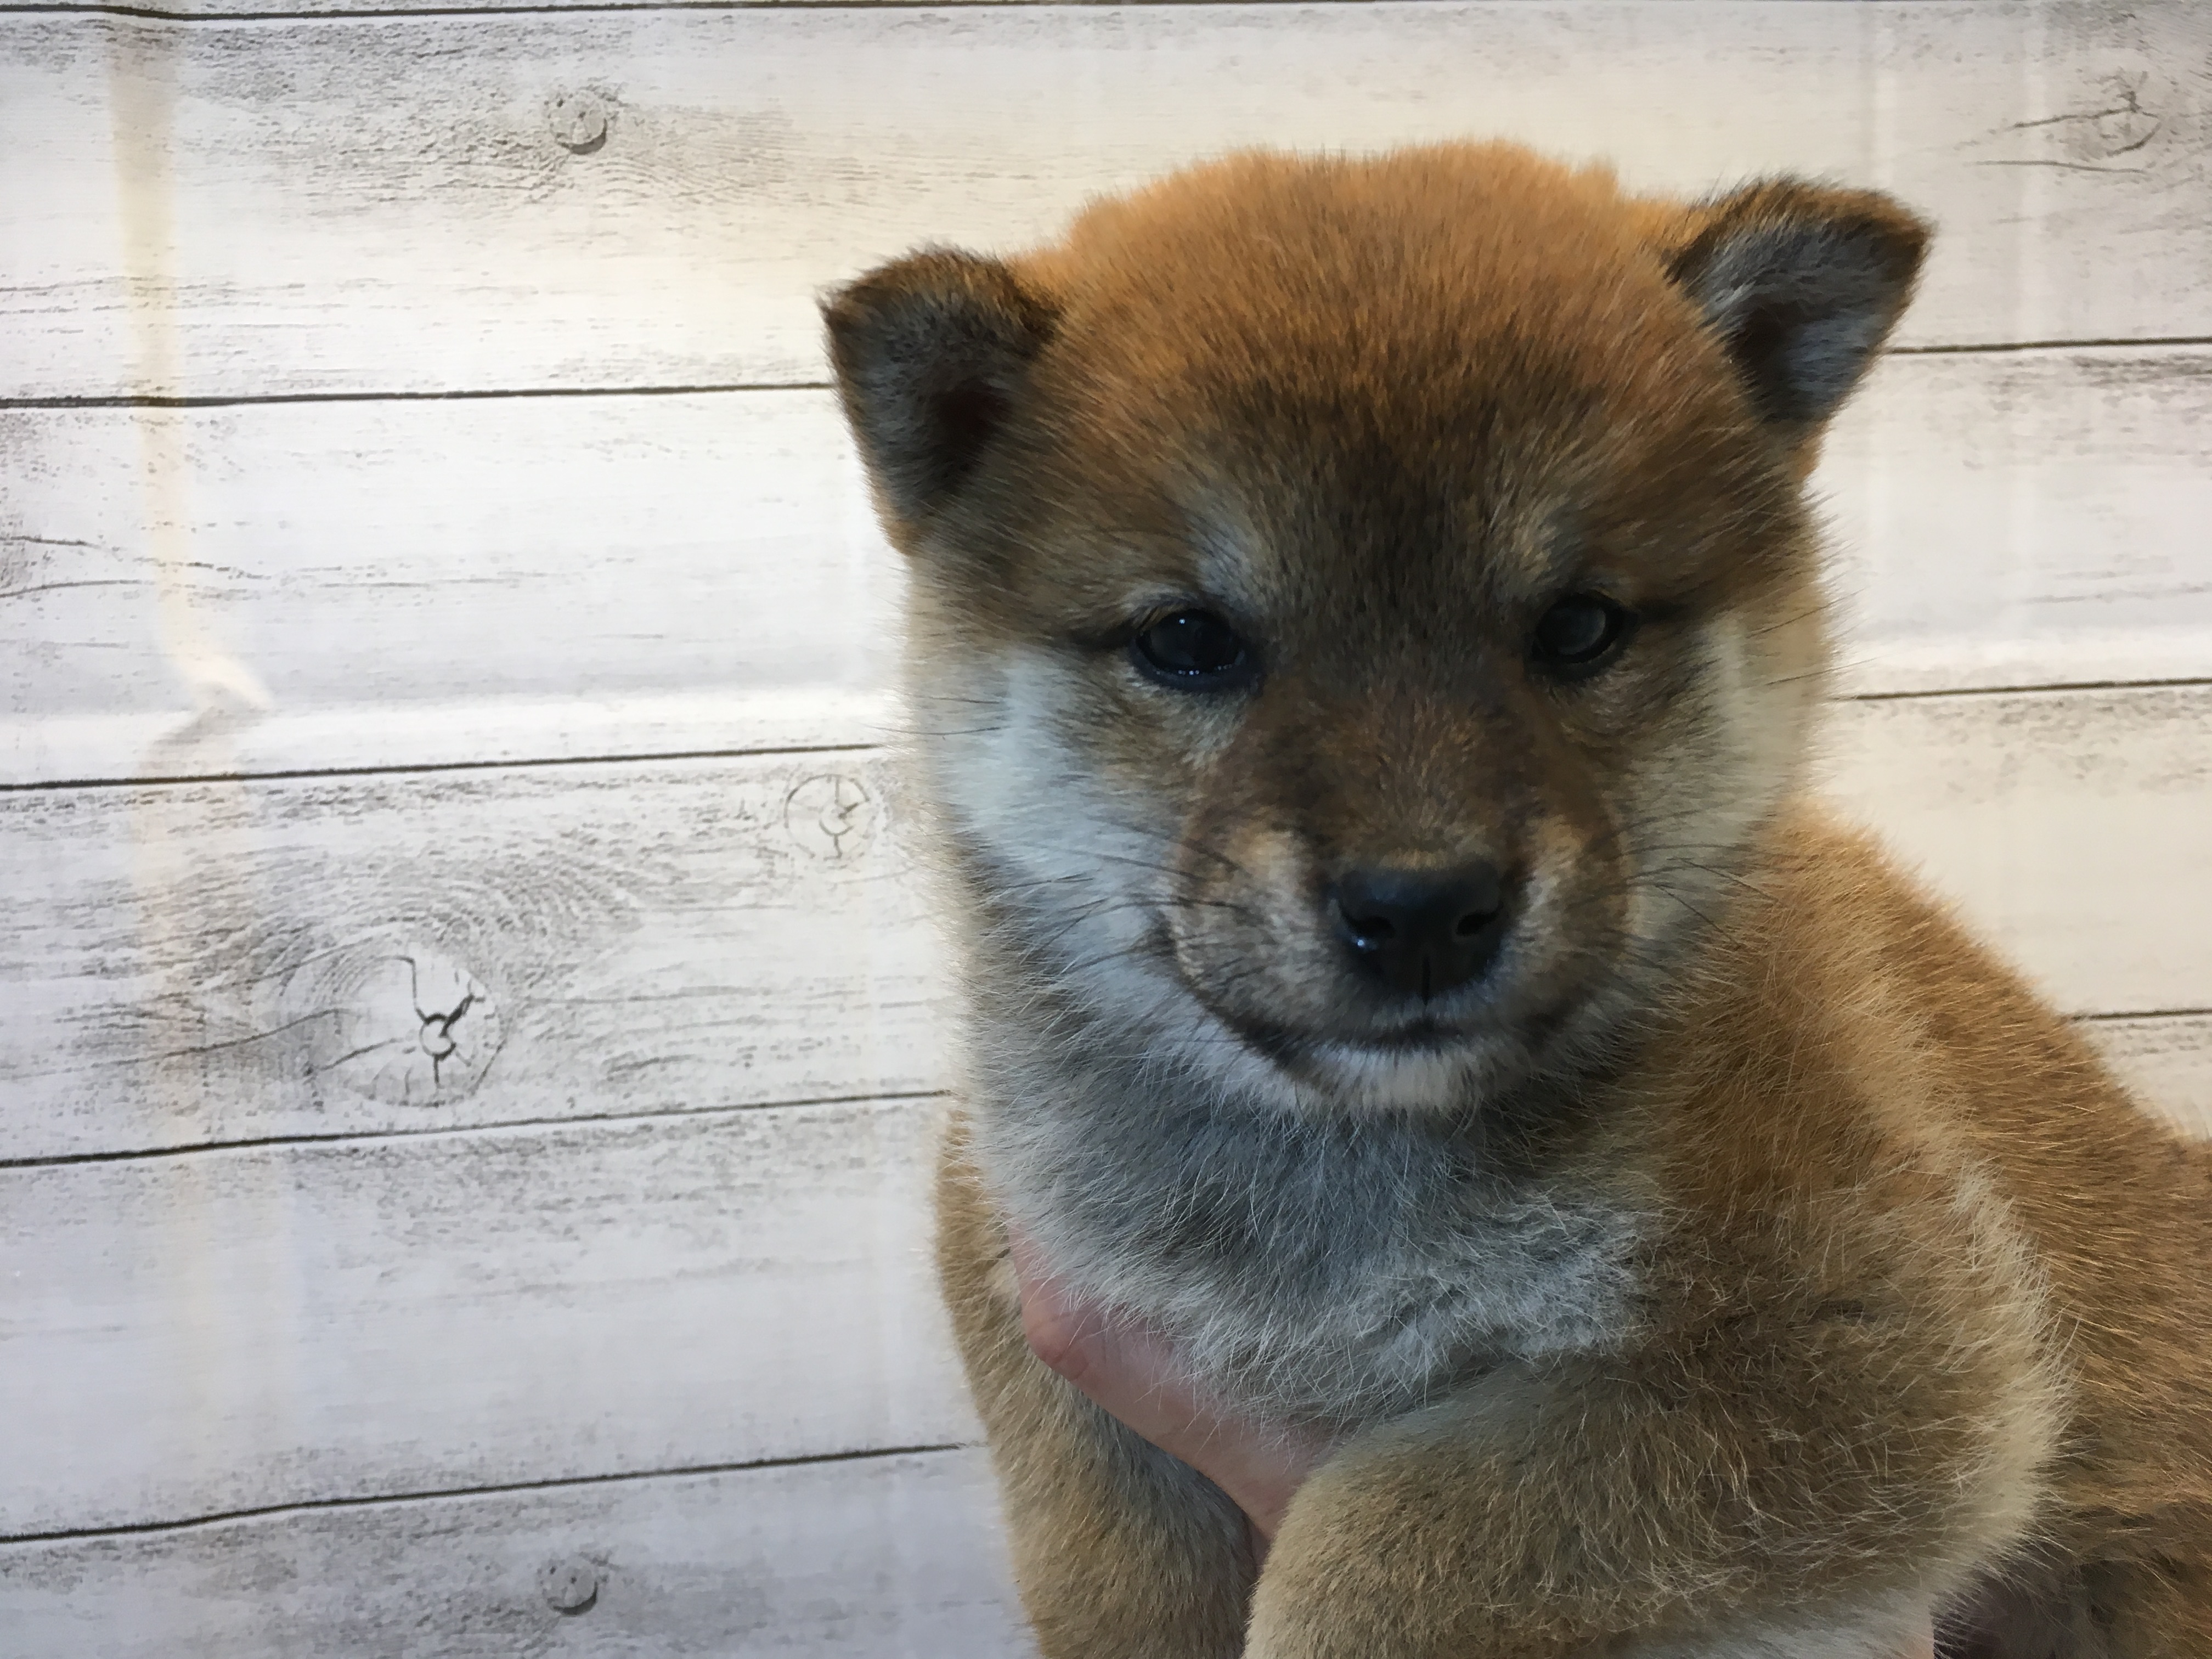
{"type": "Point", "coordinates": [1364, 612]}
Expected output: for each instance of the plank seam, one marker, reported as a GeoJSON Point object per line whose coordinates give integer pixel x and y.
{"type": "Point", "coordinates": [696, 1113]}
{"type": "Point", "coordinates": [2146, 1013]}
{"type": "Point", "coordinates": [158, 14]}
{"type": "Point", "coordinates": [141, 1527]}
{"type": "Point", "coordinates": [693, 1114]}
{"type": "Point", "coordinates": [402, 769]}
{"type": "Point", "coordinates": [167, 779]}
{"type": "Point", "coordinates": [479, 394]}
{"type": "Point", "coordinates": [718, 388]}
{"type": "Point", "coordinates": [2022, 690]}
{"type": "Point", "coordinates": [2046, 345]}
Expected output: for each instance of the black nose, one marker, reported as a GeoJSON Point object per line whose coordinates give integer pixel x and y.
{"type": "Point", "coordinates": [1422, 932]}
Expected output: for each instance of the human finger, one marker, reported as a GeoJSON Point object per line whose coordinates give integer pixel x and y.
{"type": "Point", "coordinates": [1132, 1374]}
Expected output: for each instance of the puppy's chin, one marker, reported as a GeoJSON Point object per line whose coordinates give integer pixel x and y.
{"type": "Point", "coordinates": [1449, 1073]}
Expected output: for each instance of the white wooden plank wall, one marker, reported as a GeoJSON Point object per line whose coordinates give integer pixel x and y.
{"type": "Point", "coordinates": [472, 1027]}
{"type": "Point", "coordinates": [882, 1558]}
{"type": "Point", "coordinates": [650, 197]}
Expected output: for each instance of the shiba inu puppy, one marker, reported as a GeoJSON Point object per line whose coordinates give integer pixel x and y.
{"type": "Point", "coordinates": [1366, 631]}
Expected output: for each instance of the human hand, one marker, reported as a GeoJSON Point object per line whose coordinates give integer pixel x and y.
{"type": "Point", "coordinates": [1132, 1373]}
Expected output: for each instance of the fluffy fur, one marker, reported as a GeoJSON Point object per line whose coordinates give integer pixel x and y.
{"type": "Point", "coordinates": [1746, 1263]}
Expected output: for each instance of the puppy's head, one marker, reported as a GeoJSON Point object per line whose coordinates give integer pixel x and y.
{"type": "Point", "coordinates": [1364, 612]}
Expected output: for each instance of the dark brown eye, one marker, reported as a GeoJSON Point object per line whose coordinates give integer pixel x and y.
{"type": "Point", "coordinates": [1194, 650]}
{"type": "Point", "coordinates": [1580, 633]}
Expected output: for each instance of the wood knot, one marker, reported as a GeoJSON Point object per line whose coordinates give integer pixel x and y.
{"type": "Point", "coordinates": [579, 121]}
{"type": "Point", "coordinates": [414, 1028]}
{"type": "Point", "coordinates": [831, 816]}
{"type": "Point", "coordinates": [2111, 125]}
{"type": "Point", "coordinates": [2120, 118]}
{"type": "Point", "coordinates": [570, 1585]}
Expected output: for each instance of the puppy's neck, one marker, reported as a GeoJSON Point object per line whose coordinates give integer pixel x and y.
{"type": "Point", "coordinates": [1331, 1268]}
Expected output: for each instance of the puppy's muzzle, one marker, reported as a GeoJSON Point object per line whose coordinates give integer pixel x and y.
{"type": "Point", "coordinates": [1422, 932]}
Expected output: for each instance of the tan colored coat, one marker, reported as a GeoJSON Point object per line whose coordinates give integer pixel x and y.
{"type": "Point", "coordinates": [1737, 1260]}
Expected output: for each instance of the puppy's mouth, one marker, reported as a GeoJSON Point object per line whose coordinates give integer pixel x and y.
{"type": "Point", "coordinates": [1423, 1036]}
{"type": "Point", "coordinates": [1298, 1048]}
{"type": "Point", "coordinates": [1420, 1060]}
{"type": "Point", "coordinates": [1339, 1038]}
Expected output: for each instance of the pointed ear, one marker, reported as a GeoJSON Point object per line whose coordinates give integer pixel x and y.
{"type": "Point", "coordinates": [930, 353]}
{"type": "Point", "coordinates": [1802, 284]}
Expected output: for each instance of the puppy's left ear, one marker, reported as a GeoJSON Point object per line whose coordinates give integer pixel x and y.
{"type": "Point", "coordinates": [931, 354]}
{"type": "Point", "coordinates": [1802, 284]}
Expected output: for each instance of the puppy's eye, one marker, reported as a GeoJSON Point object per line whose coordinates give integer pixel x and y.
{"type": "Point", "coordinates": [1192, 649]}
{"type": "Point", "coordinates": [1580, 633]}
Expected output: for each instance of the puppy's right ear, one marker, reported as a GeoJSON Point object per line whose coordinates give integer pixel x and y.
{"type": "Point", "coordinates": [931, 352]}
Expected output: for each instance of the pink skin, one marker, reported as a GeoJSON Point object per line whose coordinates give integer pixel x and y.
{"type": "Point", "coordinates": [1132, 1373]}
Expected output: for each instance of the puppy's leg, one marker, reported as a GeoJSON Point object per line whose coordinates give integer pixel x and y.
{"type": "Point", "coordinates": [1755, 1494]}
{"type": "Point", "coordinates": [1121, 1552]}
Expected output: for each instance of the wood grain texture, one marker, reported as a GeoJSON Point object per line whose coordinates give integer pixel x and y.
{"type": "Point", "coordinates": [231, 962]}
{"type": "Point", "coordinates": [2166, 1059]}
{"type": "Point", "coordinates": [653, 197]}
{"type": "Point", "coordinates": [2067, 827]}
{"type": "Point", "coordinates": [425, 583]}
{"type": "Point", "coordinates": [199, 1335]}
{"type": "Point", "coordinates": [197, 1332]}
{"type": "Point", "coordinates": [2023, 519]}
{"type": "Point", "coordinates": [223, 962]}
{"type": "Point", "coordinates": [386, 584]}
{"type": "Point", "coordinates": [192, 9]}
{"type": "Point", "coordinates": [881, 1558]}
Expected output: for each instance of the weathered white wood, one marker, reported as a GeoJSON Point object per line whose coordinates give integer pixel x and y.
{"type": "Point", "coordinates": [653, 197]}
{"type": "Point", "coordinates": [2020, 518]}
{"type": "Point", "coordinates": [423, 583]}
{"type": "Point", "coordinates": [892, 1554]}
{"type": "Point", "coordinates": [2166, 1059]}
{"type": "Point", "coordinates": [2069, 827]}
{"type": "Point", "coordinates": [879, 1558]}
{"type": "Point", "coordinates": [897, 1554]}
{"type": "Point", "coordinates": [188, 9]}
{"type": "Point", "coordinates": [197, 1334]}
{"type": "Point", "coordinates": [222, 962]}
{"type": "Point", "coordinates": [233, 961]}
{"type": "Point", "coordinates": [205, 1333]}
{"type": "Point", "coordinates": [235, 741]}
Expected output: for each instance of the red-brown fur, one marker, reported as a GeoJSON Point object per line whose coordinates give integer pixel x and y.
{"type": "Point", "coordinates": [1920, 1299]}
